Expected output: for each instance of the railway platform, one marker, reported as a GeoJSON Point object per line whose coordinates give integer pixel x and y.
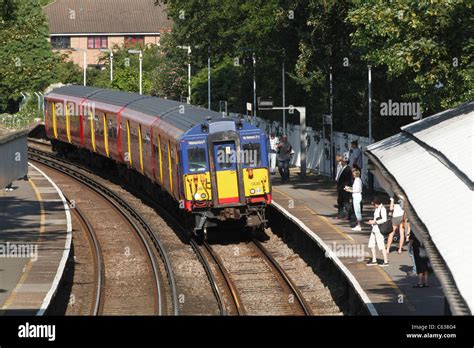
{"type": "Point", "coordinates": [35, 241]}
{"type": "Point", "coordinates": [387, 290]}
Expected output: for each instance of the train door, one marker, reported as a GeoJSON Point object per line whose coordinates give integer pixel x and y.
{"type": "Point", "coordinates": [225, 164]}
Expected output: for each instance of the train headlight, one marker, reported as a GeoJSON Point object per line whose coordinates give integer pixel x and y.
{"type": "Point", "coordinates": [252, 191]}
{"type": "Point", "coordinates": [203, 196]}
{"type": "Point", "coordinates": [197, 196]}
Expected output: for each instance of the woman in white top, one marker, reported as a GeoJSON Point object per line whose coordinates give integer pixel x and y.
{"type": "Point", "coordinates": [380, 216]}
{"type": "Point", "coordinates": [398, 217]}
{"type": "Point", "coordinates": [356, 198]}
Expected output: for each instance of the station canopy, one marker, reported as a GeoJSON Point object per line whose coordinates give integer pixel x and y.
{"type": "Point", "coordinates": [430, 163]}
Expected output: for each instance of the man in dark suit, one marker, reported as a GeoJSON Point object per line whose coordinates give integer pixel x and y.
{"type": "Point", "coordinates": [344, 198]}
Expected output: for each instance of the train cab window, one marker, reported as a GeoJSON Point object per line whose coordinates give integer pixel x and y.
{"type": "Point", "coordinates": [197, 159]}
{"type": "Point", "coordinates": [251, 155]}
{"type": "Point", "coordinates": [225, 157]}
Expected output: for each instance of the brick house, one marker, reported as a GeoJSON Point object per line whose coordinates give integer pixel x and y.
{"type": "Point", "coordinates": [92, 25]}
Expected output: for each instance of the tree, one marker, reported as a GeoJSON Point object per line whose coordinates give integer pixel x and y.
{"type": "Point", "coordinates": [223, 77]}
{"type": "Point", "coordinates": [27, 62]}
{"type": "Point", "coordinates": [169, 77]}
{"type": "Point", "coordinates": [236, 29]}
{"type": "Point", "coordinates": [425, 45]}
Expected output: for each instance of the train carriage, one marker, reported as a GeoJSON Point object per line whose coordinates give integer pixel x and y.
{"type": "Point", "coordinates": [215, 168]}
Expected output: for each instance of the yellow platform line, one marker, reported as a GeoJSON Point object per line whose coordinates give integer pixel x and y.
{"type": "Point", "coordinates": [29, 264]}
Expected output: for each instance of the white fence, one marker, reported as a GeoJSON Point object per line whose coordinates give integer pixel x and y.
{"type": "Point", "coordinates": [318, 150]}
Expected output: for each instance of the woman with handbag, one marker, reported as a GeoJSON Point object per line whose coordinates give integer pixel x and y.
{"type": "Point", "coordinates": [376, 237]}
{"type": "Point", "coordinates": [398, 216]}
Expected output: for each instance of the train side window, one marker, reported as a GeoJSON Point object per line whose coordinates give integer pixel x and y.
{"type": "Point", "coordinates": [197, 159]}
{"type": "Point", "coordinates": [251, 155]}
{"type": "Point", "coordinates": [111, 132]}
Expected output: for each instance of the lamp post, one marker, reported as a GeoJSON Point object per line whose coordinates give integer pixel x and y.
{"type": "Point", "coordinates": [369, 173]}
{"type": "Point", "coordinates": [188, 48]}
{"type": "Point", "coordinates": [111, 59]}
{"type": "Point", "coordinates": [254, 62]}
{"type": "Point", "coordinates": [369, 72]}
{"type": "Point", "coordinates": [209, 78]}
{"type": "Point", "coordinates": [331, 150]}
{"type": "Point", "coordinates": [140, 59]}
{"type": "Point", "coordinates": [283, 91]}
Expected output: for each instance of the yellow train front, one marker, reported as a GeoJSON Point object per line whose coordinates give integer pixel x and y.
{"type": "Point", "coordinates": [225, 174]}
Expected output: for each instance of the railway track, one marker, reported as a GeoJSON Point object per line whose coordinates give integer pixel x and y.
{"type": "Point", "coordinates": [249, 283]}
{"type": "Point", "coordinates": [145, 235]}
{"type": "Point", "coordinates": [98, 260]}
{"type": "Point", "coordinates": [263, 287]}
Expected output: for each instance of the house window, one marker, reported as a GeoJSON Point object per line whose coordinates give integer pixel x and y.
{"type": "Point", "coordinates": [134, 40]}
{"type": "Point", "coordinates": [97, 42]}
{"type": "Point", "coordinates": [61, 42]}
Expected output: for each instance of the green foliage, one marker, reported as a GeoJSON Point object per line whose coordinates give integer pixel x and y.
{"type": "Point", "coordinates": [170, 74]}
{"type": "Point", "coordinates": [414, 46]}
{"type": "Point", "coordinates": [411, 44]}
{"type": "Point", "coordinates": [27, 62]}
{"type": "Point", "coordinates": [223, 78]}
{"type": "Point", "coordinates": [225, 30]}
{"type": "Point", "coordinates": [422, 43]}
{"type": "Point", "coordinates": [23, 118]}
{"type": "Point", "coordinates": [25, 53]}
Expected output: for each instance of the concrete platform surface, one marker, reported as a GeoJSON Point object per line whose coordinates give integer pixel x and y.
{"type": "Point", "coordinates": [389, 289]}
{"type": "Point", "coordinates": [35, 240]}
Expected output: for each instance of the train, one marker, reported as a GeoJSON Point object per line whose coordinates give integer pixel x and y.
{"type": "Point", "coordinates": [212, 168]}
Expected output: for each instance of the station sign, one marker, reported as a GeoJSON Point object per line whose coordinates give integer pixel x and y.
{"type": "Point", "coordinates": [265, 103]}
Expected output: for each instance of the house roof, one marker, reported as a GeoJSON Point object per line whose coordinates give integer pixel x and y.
{"type": "Point", "coordinates": [431, 163]}
{"type": "Point", "coordinates": [107, 17]}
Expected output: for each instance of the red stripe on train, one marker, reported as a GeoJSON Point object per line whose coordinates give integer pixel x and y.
{"type": "Point", "coordinates": [228, 200]}
{"type": "Point", "coordinates": [119, 137]}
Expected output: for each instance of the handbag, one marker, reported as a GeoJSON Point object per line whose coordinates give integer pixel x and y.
{"type": "Point", "coordinates": [423, 254]}
{"type": "Point", "coordinates": [386, 227]}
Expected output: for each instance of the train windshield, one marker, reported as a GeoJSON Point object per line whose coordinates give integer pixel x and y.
{"type": "Point", "coordinates": [251, 155]}
{"type": "Point", "coordinates": [197, 159]}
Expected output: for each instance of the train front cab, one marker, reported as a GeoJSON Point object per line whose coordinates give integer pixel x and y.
{"type": "Point", "coordinates": [225, 175]}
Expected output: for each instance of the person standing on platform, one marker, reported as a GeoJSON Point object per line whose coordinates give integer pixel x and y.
{"type": "Point", "coordinates": [284, 155]}
{"type": "Point", "coordinates": [398, 215]}
{"type": "Point", "coordinates": [355, 159]}
{"type": "Point", "coordinates": [356, 191]}
{"type": "Point", "coordinates": [344, 197]}
{"type": "Point", "coordinates": [272, 152]}
{"type": "Point", "coordinates": [380, 216]}
{"type": "Point", "coordinates": [421, 262]}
